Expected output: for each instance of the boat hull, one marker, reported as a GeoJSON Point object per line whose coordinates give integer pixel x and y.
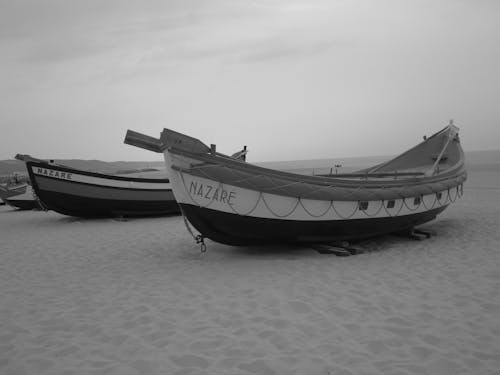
{"type": "Point", "coordinates": [80, 206]}
{"type": "Point", "coordinates": [233, 215]}
{"type": "Point", "coordinates": [23, 204]}
{"type": "Point", "coordinates": [86, 194]}
{"type": "Point", "coordinates": [233, 229]}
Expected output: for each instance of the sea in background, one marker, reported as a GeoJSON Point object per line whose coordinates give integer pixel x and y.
{"type": "Point", "coordinates": [123, 297]}
{"type": "Point", "coordinates": [477, 160]}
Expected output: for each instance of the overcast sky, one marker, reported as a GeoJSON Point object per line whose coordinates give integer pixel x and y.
{"type": "Point", "coordinates": [292, 79]}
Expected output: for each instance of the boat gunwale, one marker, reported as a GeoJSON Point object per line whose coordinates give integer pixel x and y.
{"type": "Point", "coordinates": [455, 171]}
{"type": "Point", "coordinates": [47, 165]}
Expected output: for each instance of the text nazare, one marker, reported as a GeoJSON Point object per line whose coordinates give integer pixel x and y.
{"type": "Point", "coordinates": [212, 193]}
{"type": "Point", "coordinates": [53, 173]}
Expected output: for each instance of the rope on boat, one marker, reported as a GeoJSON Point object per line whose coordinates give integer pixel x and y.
{"type": "Point", "coordinates": [300, 201]}
{"type": "Point", "coordinates": [345, 217]}
{"type": "Point", "coordinates": [42, 206]}
{"type": "Point", "coordinates": [278, 215]}
{"type": "Point", "coordinates": [416, 206]}
{"type": "Point", "coordinates": [40, 203]}
{"type": "Point", "coordinates": [433, 203]}
{"type": "Point", "coordinates": [376, 213]}
{"type": "Point", "coordinates": [397, 213]}
{"type": "Point", "coordinates": [203, 170]}
{"type": "Point", "coordinates": [311, 214]}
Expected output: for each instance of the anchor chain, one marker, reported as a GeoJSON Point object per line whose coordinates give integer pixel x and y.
{"type": "Point", "coordinates": [201, 241]}
{"type": "Point", "coordinates": [199, 238]}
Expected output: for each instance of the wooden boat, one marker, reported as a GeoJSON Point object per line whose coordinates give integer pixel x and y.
{"type": "Point", "coordinates": [80, 193]}
{"type": "Point", "coordinates": [24, 201]}
{"type": "Point", "coordinates": [239, 203]}
{"type": "Point", "coordinates": [7, 191]}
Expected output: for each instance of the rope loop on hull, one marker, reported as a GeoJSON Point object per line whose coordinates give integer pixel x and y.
{"type": "Point", "coordinates": [376, 213]}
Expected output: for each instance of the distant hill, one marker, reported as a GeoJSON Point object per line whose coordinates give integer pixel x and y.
{"type": "Point", "coordinates": [475, 160]}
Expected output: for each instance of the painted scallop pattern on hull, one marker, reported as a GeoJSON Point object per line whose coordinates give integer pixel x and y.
{"type": "Point", "coordinates": [226, 198]}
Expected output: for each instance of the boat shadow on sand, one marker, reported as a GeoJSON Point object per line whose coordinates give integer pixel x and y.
{"type": "Point", "coordinates": [423, 236]}
{"type": "Point", "coordinates": [125, 219]}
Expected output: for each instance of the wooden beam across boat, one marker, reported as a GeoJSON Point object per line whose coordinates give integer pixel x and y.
{"type": "Point", "coordinates": [143, 141]}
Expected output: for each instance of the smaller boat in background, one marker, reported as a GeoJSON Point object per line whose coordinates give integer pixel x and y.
{"type": "Point", "coordinates": [7, 191]}
{"type": "Point", "coordinates": [75, 192]}
{"type": "Point", "coordinates": [24, 201]}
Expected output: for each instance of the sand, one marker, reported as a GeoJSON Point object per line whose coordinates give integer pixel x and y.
{"type": "Point", "coordinates": [137, 297]}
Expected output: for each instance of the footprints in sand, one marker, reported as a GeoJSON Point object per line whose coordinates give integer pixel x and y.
{"type": "Point", "coordinates": [103, 309]}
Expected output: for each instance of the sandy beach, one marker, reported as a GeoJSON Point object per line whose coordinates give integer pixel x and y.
{"type": "Point", "coordinates": [109, 297]}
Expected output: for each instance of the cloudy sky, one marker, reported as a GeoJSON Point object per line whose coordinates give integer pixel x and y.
{"type": "Point", "coordinates": [292, 79]}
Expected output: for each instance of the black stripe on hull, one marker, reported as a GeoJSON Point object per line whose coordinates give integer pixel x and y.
{"type": "Point", "coordinates": [234, 229]}
{"type": "Point", "coordinates": [91, 207]}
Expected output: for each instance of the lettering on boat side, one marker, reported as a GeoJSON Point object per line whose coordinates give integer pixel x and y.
{"type": "Point", "coordinates": [211, 193]}
{"type": "Point", "coordinates": [53, 173]}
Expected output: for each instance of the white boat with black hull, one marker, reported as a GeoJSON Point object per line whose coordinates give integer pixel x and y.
{"type": "Point", "coordinates": [80, 193]}
{"type": "Point", "coordinates": [239, 203]}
